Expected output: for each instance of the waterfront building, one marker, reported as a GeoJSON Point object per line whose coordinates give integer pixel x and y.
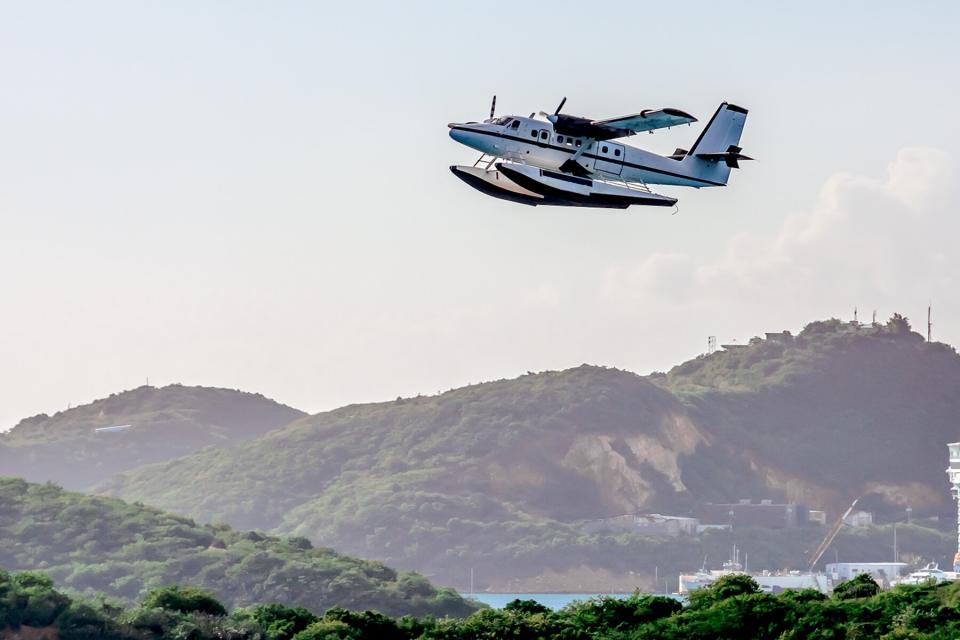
{"type": "Point", "coordinates": [883, 572]}
{"type": "Point", "coordinates": [953, 475]}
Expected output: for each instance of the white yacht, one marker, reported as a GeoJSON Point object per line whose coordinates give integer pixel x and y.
{"type": "Point", "coordinates": [929, 574]}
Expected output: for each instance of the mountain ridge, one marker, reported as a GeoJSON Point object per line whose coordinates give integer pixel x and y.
{"type": "Point", "coordinates": [504, 471]}
{"type": "Point", "coordinates": [139, 426]}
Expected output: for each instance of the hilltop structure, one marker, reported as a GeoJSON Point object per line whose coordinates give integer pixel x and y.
{"type": "Point", "coordinates": [953, 474]}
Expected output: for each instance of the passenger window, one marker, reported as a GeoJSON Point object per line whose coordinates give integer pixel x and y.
{"type": "Point", "coordinates": [560, 139]}
{"type": "Point", "coordinates": [535, 133]}
{"type": "Point", "coordinates": [604, 149]}
{"type": "Point", "coordinates": [616, 152]}
{"type": "Point", "coordinates": [543, 135]}
{"type": "Point", "coordinates": [578, 143]}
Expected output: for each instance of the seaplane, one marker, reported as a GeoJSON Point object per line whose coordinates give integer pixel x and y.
{"type": "Point", "coordinates": [572, 161]}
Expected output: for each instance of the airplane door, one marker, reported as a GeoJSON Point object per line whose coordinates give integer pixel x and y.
{"type": "Point", "coordinates": [610, 157]}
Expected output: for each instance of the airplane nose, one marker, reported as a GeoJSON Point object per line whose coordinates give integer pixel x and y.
{"type": "Point", "coordinates": [457, 134]}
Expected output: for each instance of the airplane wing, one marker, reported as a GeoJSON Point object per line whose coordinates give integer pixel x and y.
{"type": "Point", "coordinates": [647, 120]}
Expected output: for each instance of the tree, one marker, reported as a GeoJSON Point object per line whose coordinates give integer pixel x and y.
{"type": "Point", "coordinates": [723, 588]}
{"type": "Point", "coordinates": [281, 622]}
{"type": "Point", "coordinates": [184, 600]}
{"type": "Point", "coordinates": [898, 324]}
{"type": "Point", "coordinates": [863, 586]}
{"type": "Point", "coordinates": [525, 607]}
{"type": "Point", "coordinates": [327, 630]}
{"type": "Point", "coordinates": [34, 601]}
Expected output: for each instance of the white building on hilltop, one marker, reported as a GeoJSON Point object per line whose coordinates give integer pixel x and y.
{"type": "Point", "coordinates": [953, 474]}
{"type": "Point", "coordinates": [859, 519]}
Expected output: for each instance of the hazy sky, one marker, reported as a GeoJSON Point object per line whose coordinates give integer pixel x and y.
{"type": "Point", "coordinates": [256, 195]}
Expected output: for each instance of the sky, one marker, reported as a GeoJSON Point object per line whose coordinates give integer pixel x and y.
{"type": "Point", "coordinates": [256, 195]}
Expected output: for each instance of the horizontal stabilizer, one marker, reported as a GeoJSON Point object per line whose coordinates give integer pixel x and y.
{"type": "Point", "coordinates": [731, 156]}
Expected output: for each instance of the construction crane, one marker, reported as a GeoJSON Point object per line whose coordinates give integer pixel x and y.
{"type": "Point", "coordinates": [828, 540]}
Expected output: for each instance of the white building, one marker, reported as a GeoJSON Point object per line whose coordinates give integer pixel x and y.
{"type": "Point", "coordinates": [882, 572]}
{"type": "Point", "coordinates": [953, 475]}
{"type": "Point", "coordinates": [653, 524]}
{"type": "Point", "coordinates": [859, 519]}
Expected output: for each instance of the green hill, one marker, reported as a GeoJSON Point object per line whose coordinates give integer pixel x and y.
{"type": "Point", "coordinates": [92, 544]}
{"type": "Point", "coordinates": [158, 424]}
{"type": "Point", "coordinates": [498, 475]}
{"type": "Point", "coordinates": [836, 412]}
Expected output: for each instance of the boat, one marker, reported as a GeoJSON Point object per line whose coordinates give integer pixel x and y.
{"type": "Point", "coordinates": [769, 581]}
{"type": "Point", "coordinates": [930, 574]}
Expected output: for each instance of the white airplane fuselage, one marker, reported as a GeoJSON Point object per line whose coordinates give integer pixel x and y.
{"type": "Point", "coordinates": [534, 142]}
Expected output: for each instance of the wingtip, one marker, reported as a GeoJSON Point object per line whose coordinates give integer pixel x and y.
{"type": "Point", "coordinates": [679, 113]}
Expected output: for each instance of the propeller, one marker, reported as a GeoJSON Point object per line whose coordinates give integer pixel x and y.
{"type": "Point", "coordinates": [493, 106]}
{"type": "Point", "coordinates": [552, 117]}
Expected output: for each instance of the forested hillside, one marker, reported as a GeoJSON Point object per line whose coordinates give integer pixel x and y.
{"type": "Point", "coordinates": [500, 474]}
{"type": "Point", "coordinates": [835, 412]}
{"type": "Point", "coordinates": [102, 545]}
{"type": "Point", "coordinates": [158, 424]}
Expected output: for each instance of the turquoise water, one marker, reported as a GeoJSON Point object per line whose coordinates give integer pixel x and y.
{"type": "Point", "coordinates": [553, 600]}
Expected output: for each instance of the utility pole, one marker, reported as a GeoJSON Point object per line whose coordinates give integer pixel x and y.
{"type": "Point", "coordinates": [896, 554]}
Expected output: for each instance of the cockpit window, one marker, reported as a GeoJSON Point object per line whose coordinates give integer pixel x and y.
{"type": "Point", "coordinates": [515, 125]}
{"type": "Point", "coordinates": [503, 120]}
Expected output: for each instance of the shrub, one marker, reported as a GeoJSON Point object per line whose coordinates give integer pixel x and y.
{"type": "Point", "coordinates": [863, 586]}
{"type": "Point", "coordinates": [184, 600]}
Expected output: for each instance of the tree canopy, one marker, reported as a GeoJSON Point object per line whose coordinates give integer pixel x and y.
{"type": "Point", "coordinates": [728, 609]}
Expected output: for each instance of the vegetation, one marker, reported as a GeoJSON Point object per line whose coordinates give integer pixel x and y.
{"type": "Point", "coordinates": [99, 545]}
{"type": "Point", "coordinates": [839, 410]}
{"type": "Point", "coordinates": [501, 475]}
{"type": "Point", "coordinates": [733, 607]}
{"type": "Point", "coordinates": [164, 423]}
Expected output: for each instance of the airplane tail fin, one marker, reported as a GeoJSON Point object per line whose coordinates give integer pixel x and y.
{"type": "Point", "coordinates": [717, 149]}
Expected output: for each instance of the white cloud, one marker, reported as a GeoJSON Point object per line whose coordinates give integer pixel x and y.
{"type": "Point", "coordinates": [866, 241]}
